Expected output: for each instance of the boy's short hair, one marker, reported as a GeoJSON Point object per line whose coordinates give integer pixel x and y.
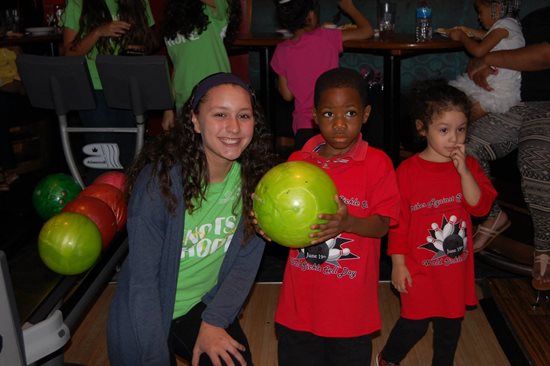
{"type": "Point", "coordinates": [340, 77]}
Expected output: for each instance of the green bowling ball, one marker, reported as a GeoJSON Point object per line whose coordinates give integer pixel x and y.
{"type": "Point", "coordinates": [69, 243]}
{"type": "Point", "coordinates": [288, 200]}
{"type": "Point", "coordinates": [52, 193]}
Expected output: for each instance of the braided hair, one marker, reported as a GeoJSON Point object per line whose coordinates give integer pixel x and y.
{"type": "Point", "coordinates": [508, 8]}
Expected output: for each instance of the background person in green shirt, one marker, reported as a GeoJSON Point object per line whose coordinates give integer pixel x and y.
{"type": "Point", "coordinates": [107, 27]}
{"type": "Point", "coordinates": [196, 33]}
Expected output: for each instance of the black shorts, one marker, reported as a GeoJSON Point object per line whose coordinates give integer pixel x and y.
{"type": "Point", "coordinates": [185, 330]}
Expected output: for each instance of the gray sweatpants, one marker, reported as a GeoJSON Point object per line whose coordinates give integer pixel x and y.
{"type": "Point", "coordinates": [525, 127]}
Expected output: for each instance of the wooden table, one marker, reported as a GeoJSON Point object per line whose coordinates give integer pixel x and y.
{"type": "Point", "coordinates": [53, 39]}
{"type": "Point", "coordinates": [393, 49]}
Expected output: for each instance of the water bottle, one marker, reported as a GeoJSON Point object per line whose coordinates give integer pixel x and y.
{"type": "Point", "coordinates": [423, 22]}
{"type": "Point", "coordinates": [58, 18]}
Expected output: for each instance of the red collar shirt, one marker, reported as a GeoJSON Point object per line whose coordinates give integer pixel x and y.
{"type": "Point", "coordinates": [331, 289]}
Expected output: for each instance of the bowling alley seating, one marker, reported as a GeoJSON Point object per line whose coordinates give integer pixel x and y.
{"type": "Point", "coordinates": [138, 84]}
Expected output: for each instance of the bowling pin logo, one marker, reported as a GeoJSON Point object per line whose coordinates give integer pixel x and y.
{"type": "Point", "coordinates": [330, 251]}
{"type": "Point", "coordinates": [102, 156]}
{"type": "Point", "coordinates": [449, 239]}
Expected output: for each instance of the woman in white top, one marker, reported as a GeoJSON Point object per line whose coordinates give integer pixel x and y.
{"type": "Point", "coordinates": [504, 33]}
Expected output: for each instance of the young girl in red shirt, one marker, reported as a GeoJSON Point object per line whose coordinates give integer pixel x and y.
{"type": "Point", "coordinates": [431, 247]}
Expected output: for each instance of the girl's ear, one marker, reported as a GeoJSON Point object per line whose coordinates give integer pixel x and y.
{"type": "Point", "coordinates": [195, 121]}
{"type": "Point", "coordinates": [420, 127]}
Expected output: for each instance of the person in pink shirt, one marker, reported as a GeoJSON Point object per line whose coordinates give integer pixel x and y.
{"type": "Point", "coordinates": [310, 51]}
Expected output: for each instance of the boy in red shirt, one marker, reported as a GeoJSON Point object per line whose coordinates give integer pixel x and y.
{"type": "Point", "coordinates": [328, 305]}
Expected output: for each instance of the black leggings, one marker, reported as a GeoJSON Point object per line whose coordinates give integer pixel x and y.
{"type": "Point", "coordinates": [185, 330]}
{"type": "Point", "coordinates": [406, 333]}
{"type": "Point", "coordinates": [297, 348]}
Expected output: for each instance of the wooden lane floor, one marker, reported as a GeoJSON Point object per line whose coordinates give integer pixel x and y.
{"type": "Point", "coordinates": [478, 344]}
{"type": "Point", "coordinates": [529, 318]}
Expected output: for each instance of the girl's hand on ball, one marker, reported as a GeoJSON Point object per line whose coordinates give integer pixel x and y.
{"type": "Point", "coordinates": [257, 227]}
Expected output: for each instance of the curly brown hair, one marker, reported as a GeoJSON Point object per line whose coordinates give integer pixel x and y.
{"type": "Point", "coordinates": [95, 13]}
{"type": "Point", "coordinates": [182, 147]}
{"type": "Point", "coordinates": [186, 16]}
{"type": "Point", "coordinates": [430, 98]}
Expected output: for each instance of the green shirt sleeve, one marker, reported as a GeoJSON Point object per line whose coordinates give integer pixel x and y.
{"type": "Point", "coordinates": [71, 14]}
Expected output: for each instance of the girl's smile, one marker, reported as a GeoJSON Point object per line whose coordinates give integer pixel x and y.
{"type": "Point", "coordinates": [225, 122]}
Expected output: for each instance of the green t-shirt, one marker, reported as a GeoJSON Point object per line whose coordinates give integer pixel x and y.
{"type": "Point", "coordinates": [206, 238]}
{"type": "Point", "coordinates": [71, 19]}
{"type": "Point", "coordinates": [198, 56]}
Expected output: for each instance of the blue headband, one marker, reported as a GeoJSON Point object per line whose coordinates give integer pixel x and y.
{"type": "Point", "coordinates": [214, 80]}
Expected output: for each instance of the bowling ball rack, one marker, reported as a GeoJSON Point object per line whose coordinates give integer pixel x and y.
{"type": "Point", "coordinates": [41, 339]}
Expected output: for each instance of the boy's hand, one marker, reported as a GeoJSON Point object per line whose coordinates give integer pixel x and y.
{"type": "Point", "coordinates": [459, 159]}
{"type": "Point", "coordinates": [401, 278]}
{"type": "Point", "coordinates": [336, 224]}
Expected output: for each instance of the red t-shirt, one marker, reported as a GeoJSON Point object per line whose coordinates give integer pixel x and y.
{"type": "Point", "coordinates": [435, 235]}
{"type": "Point", "coordinates": [334, 293]}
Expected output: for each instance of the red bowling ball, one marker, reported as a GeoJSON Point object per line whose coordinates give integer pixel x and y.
{"type": "Point", "coordinates": [112, 197]}
{"type": "Point", "coordinates": [97, 211]}
{"type": "Point", "coordinates": [115, 178]}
